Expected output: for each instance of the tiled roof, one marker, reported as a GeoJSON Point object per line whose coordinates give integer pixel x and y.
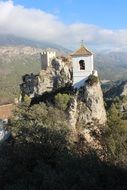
{"type": "Point", "coordinates": [82, 51]}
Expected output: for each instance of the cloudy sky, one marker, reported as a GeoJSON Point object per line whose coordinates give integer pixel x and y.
{"type": "Point", "coordinates": [100, 23]}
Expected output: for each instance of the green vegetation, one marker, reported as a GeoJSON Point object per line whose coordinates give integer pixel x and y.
{"type": "Point", "coordinates": [92, 80]}
{"type": "Point", "coordinates": [42, 155]}
{"type": "Point", "coordinates": [116, 133]}
{"type": "Point", "coordinates": [62, 100]}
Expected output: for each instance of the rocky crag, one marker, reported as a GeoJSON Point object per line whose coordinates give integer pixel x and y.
{"type": "Point", "coordinates": [58, 74]}
{"type": "Point", "coordinates": [86, 114]}
{"type": "Point", "coordinates": [88, 106]}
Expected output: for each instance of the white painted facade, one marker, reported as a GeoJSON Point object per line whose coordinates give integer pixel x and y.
{"type": "Point", "coordinates": [46, 58]}
{"type": "Point", "coordinates": [81, 75]}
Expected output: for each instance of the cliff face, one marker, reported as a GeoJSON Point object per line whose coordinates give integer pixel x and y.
{"type": "Point", "coordinates": [88, 106]}
{"type": "Point", "coordinates": [87, 116]}
{"type": "Point", "coordinates": [94, 102]}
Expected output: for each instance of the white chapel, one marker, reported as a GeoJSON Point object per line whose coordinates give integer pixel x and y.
{"type": "Point", "coordinates": [82, 64]}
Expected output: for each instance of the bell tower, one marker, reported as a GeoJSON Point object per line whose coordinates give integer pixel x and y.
{"type": "Point", "coordinates": [82, 64]}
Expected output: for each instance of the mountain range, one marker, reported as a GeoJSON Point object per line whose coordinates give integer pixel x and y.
{"type": "Point", "coordinates": [111, 65]}
{"type": "Point", "coordinates": [11, 40]}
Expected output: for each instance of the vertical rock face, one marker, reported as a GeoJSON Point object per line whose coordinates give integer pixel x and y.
{"type": "Point", "coordinates": [87, 117]}
{"type": "Point", "coordinates": [89, 107]}
{"type": "Point", "coordinates": [72, 110]}
{"type": "Point", "coordinates": [45, 81]}
{"type": "Point", "coordinates": [93, 98]}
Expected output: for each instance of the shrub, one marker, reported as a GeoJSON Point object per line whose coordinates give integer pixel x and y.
{"type": "Point", "coordinates": [61, 101]}
{"type": "Point", "coordinates": [92, 80]}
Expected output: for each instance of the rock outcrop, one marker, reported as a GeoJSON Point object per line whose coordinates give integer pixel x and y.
{"type": "Point", "coordinates": [93, 99]}
{"type": "Point", "coordinates": [87, 117]}
{"type": "Point", "coordinates": [86, 114]}
{"type": "Point", "coordinates": [55, 76]}
{"type": "Point", "coordinates": [29, 86]}
{"type": "Point", "coordinates": [88, 106]}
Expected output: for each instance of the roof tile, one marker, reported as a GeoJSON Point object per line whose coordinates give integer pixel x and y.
{"type": "Point", "coordinates": [82, 51]}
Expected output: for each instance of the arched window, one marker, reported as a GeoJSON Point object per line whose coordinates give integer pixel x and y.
{"type": "Point", "coordinates": [82, 64]}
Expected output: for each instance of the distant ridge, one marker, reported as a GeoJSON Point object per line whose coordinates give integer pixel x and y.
{"type": "Point", "coordinates": [111, 65]}
{"type": "Point", "coordinates": [12, 40]}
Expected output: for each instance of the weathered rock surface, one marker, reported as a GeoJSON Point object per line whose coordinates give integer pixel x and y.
{"type": "Point", "coordinates": [87, 117]}
{"type": "Point", "coordinates": [72, 113]}
{"type": "Point", "coordinates": [88, 106]}
{"type": "Point", "coordinates": [93, 98]}
{"type": "Point", "coordinates": [55, 76]}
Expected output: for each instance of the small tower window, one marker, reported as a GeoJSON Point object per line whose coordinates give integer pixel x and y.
{"type": "Point", "coordinates": [82, 64]}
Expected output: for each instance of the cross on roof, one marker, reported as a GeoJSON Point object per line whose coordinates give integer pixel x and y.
{"type": "Point", "coordinates": [82, 43]}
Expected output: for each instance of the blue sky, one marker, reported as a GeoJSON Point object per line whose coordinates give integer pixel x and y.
{"type": "Point", "coordinates": [104, 13]}
{"type": "Point", "coordinates": [100, 23]}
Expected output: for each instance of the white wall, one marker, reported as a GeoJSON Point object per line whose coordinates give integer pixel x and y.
{"type": "Point", "coordinates": [79, 76]}
{"type": "Point", "coordinates": [50, 56]}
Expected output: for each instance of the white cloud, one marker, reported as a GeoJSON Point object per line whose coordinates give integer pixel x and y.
{"type": "Point", "coordinates": [39, 25]}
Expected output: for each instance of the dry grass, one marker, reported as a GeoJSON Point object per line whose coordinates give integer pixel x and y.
{"type": "Point", "coordinates": [6, 111]}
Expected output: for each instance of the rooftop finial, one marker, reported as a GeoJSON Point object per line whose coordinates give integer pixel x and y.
{"type": "Point", "coordinates": [82, 43]}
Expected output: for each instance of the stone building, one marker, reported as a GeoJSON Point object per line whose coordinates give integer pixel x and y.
{"type": "Point", "coordinates": [46, 58]}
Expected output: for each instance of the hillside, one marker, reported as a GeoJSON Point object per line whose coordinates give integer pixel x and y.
{"type": "Point", "coordinates": [14, 62]}
{"type": "Point", "coordinates": [111, 65]}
